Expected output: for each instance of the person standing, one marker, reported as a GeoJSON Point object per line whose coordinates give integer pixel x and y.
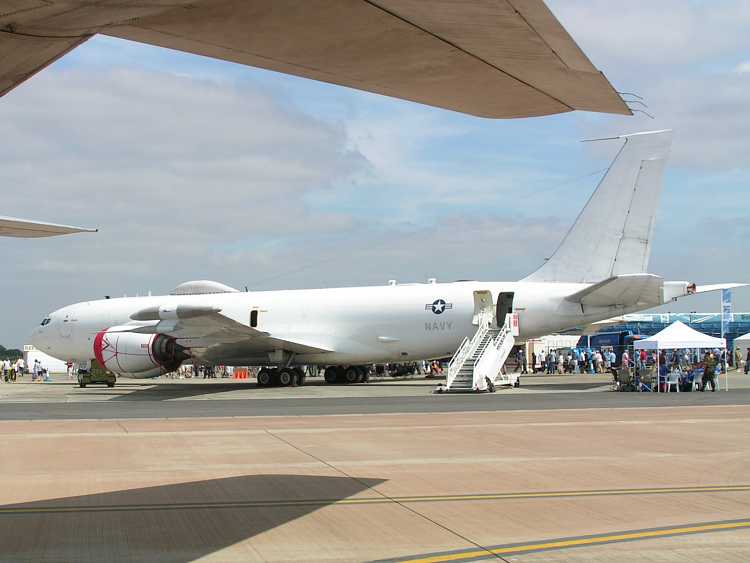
{"type": "Point", "coordinates": [20, 367]}
{"type": "Point", "coordinates": [737, 359]}
{"type": "Point", "coordinates": [709, 369]}
{"type": "Point", "coordinates": [625, 360]}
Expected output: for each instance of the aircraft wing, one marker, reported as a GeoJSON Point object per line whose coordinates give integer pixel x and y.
{"type": "Point", "coordinates": [206, 326]}
{"type": "Point", "coordinates": [490, 58]}
{"type": "Point", "coordinates": [622, 291]}
{"type": "Point", "coordinates": [25, 228]}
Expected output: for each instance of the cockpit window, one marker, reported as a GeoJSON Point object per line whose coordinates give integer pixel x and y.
{"type": "Point", "coordinates": [46, 321]}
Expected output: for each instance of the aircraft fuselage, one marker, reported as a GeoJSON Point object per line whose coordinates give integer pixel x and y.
{"type": "Point", "coordinates": [358, 325]}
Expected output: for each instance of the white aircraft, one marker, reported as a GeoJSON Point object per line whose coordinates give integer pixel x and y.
{"type": "Point", "coordinates": [599, 271]}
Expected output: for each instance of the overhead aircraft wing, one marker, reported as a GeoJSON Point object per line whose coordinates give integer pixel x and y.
{"type": "Point", "coordinates": [25, 228]}
{"type": "Point", "coordinates": [622, 291]}
{"type": "Point", "coordinates": [206, 326]}
{"type": "Point", "coordinates": [490, 58]}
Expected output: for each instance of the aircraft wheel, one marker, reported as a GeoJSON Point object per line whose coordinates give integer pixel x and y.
{"type": "Point", "coordinates": [286, 377]}
{"type": "Point", "coordinates": [351, 375]}
{"type": "Point", "coordinates": [517, 384]}
{"type": "Point", "coordinates": [331, 375]}
{"type": "Point", "coordinates": [264, 378]}
{"type": "Point", "coordinates": [110, 384]}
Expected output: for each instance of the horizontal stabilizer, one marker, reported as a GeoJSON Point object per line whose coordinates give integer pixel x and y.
{"type": "Point", "coordinates": [717, 287]}
{"type": "Point", "coordinates": [643, 290]}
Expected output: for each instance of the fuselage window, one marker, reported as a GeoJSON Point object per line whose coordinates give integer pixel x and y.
{"type": "Point", "coordinates": [254, 318]}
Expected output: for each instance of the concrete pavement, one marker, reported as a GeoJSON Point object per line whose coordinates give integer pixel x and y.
{"type": "Point", "coordinates": [561, 469]}
{"type": "Point", "coordinates": [363, 487]}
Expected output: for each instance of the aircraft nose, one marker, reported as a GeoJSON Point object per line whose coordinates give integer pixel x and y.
{"type": "Point", "coordinates": [40, 337]}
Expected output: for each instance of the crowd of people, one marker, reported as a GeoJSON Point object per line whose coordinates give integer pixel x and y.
{"type": "Point", "coordinates": [12, 371]}
{"type": "Point", "coordinates": [689, 364]}
{"type": "Point", "coordinates": [571, 360]}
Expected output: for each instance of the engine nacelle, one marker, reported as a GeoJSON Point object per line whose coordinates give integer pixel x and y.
{"type": "Point", "coordinates": [138, 355]}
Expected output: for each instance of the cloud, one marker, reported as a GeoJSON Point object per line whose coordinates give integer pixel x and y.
{"type": "Point", "coordinates": [743, 67]}
{"type": "Point", "coordinates": [643, 33]}
{"type": "Point", "coordinates": [682, 58]}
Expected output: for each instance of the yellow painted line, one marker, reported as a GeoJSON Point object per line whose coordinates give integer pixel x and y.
{"type": "Point", "coordinates": [579, 542]}
{"type": "Point", "coordinates": [30, 508]}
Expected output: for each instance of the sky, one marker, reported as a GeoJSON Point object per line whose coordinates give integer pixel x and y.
{"type": "Point", "coordinates": [194, 168]}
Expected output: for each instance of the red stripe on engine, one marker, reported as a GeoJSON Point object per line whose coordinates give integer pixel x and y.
{"type": "Point", "coordinates": [99, 347]}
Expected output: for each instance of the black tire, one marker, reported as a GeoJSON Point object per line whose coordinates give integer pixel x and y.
{"type": "Point", "coordinates": [331, 375]}
{"type": "Point", "coordinates": [517, 384]}
{"type": "Point", "coordinates": [286, 377]}
{"type": "Point", "coordinates": [264, 378]}
{"type": "Point", "coordinates": [110, 383]}
{"type": "Point", "coordinates": [351, 375]}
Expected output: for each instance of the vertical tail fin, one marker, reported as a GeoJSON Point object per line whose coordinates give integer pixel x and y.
{"type": "Point", "coordinates": [612, 235]}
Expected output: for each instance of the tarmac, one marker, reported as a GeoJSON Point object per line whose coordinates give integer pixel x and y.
{"type": "Point", "coordinates": [559, 470]}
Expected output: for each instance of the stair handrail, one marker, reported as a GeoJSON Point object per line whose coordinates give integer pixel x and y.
{"type": "Point", "coordinates": [468, 347]}
{"type": "Point", "coordinates": [495, 347]}
{"type": "Point", "coordinates": [457, 361]}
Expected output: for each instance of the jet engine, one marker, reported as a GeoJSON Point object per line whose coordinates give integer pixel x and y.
{"type": "Point", "coordinates": [138, 355]}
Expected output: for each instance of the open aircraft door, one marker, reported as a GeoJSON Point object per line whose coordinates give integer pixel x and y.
{"type": "Point", "coordinates": [483, 307]}
{"type": "Point", "coordinates": [504, 306]}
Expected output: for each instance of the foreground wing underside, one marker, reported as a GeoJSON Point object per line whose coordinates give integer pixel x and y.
{"type": "Point", "coordinates": [490, 58]}
{"type": "Point", "coordinates": [26, 228]}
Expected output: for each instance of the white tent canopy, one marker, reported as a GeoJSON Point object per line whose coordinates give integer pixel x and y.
{"type": "Point", "coordinates": [744, 339]}
{"type": "Point", "coordinates": [679, 335]}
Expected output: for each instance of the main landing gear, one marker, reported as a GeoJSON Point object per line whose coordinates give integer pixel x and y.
{"type": "Point", "coordinates": [346, 374]}
{"type": "Point", "coordinates": [284, 377]}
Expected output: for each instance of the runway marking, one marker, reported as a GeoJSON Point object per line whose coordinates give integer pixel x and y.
{"type": "Point", "coordinates": [15, 510]}
{"type": "Point", "coordinates": [137, 434]}
{"type": "Point", "coordinates": [580, 541]}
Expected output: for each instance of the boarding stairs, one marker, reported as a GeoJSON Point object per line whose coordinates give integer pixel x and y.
{"type": "Point", "coordinates": [479, 360]}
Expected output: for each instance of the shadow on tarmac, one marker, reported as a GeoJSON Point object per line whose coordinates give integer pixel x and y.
{"type": "Point", "coordinates": [168, 391]}
{"type": "Point", "coordinates": [179, 522]}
